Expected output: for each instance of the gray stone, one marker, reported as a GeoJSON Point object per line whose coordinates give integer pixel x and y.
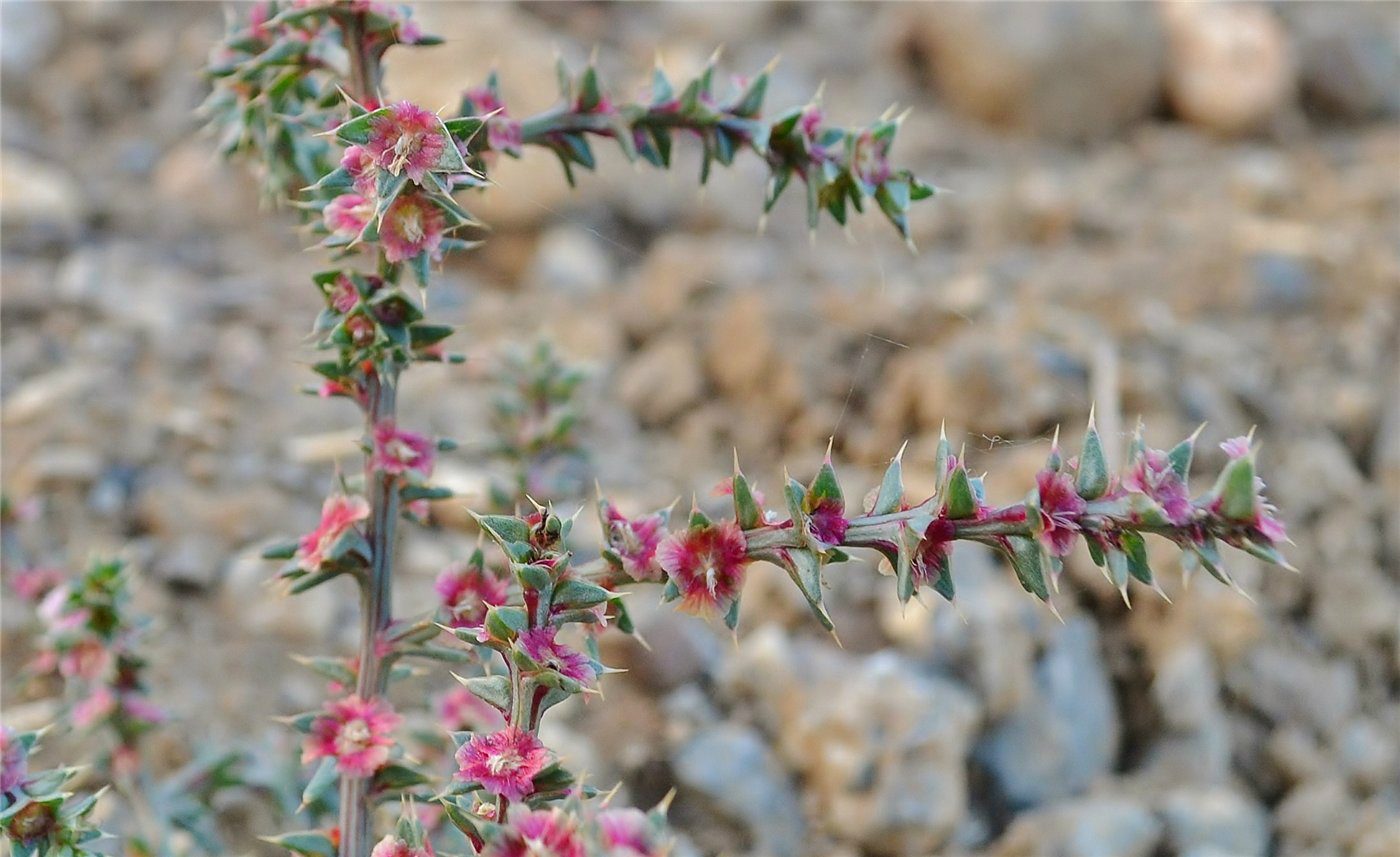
{"type": "Point", "coordinates": [1219, 818]}
{"type": "Point", "coordinates": [1069, 71]}
{"type": "Point", "coordinates": [1066, 735]}
{"type": "Point", "coordinates": [733, 768]}
{"type": "Point", "coordinates": [1348, 57]}
{"type": "Point", "coordinates": [1090, 827]}
{"type": "Point", "coordinates": [571, 258]}
{"type": "Point", "coordinates": [1283, 282]}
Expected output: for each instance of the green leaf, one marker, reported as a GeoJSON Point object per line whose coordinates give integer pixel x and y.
{"type": "Point", "coordinates": [825, 487]}
{"type": "Point", "coordinates": [805, 568]}
{"type": "Point", "coordinates": [1238, 500]}
{"type": "Point", "coordinates": [311, 843]}
{"type": "Point", "coordinates": [506, 623]}
{"type": "Point", "coordinates": [504, 528]}
{"type": "Point", "coordinates": [961, 497]}
{"type": "Point", "coordinates": [891, 493]}
{"type": "Point", "coordinates": [579, 594]}
{"type": "Point", "coordinates": [746, 509]}
{"type": "Point", "coordinates": [395, 776]}
{"type": "Point", "coordinates": [1026, 560]}
{"type": "Point", "coordinates": [494, 690]}
{"type": "Point", "coordinates": [1136, 549]}
{"type": "Point", "coordinates": [1180, 457]}
{"type": "Point", "coordinates": [1092, 479]}
{"type": "Point", "coordinates": [321, 783]}
{"type": "Point", "coordinates": [281, 550]}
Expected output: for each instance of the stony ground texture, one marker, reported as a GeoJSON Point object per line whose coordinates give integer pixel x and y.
{"type": "Point", "coordinates": [1183, 214]}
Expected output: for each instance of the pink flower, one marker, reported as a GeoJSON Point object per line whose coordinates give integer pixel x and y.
{"type": "Point", "coordinates": [355, 732]}
{"type": "Point", "coordinates": [140, 709]}
{"type": "Point", "coordinates": [87, 659]}
{"type": "Point", "coordinates": [412, 225]}
{"type": "Point", "coordinates": [32, 584]}
{"type": "Point", "coordinates": [339, 514]}
{"type": "Point", "coordinates": [392, 846]}
{"type": "Point", "coordinates": [467, 590]}
{"type": "Point", "coordinates": [398, 451]}
{"type": "Point", "coordinates": [626, 833]}
{"type": "Point", "coordinates": [504, 762]}
{"type": "Point", "coordinates": [1060, 508]}
{"type": "Point", "coordinates": [461, 710]}
{"type": "Point", "coordinates": [829, 522]}
{"type": "Point", "coordinates": [870, 159]}
{"type": "Point", "coordinates": [934, 550]}
{"type": "Point", "coordinates": [635, 541]}
{"type": "Point", "coordinates": [13, 760]}
{"type": "Point", "coordinates": [539, 833]}
{"type": "Point", "coordinates": [359, 164]}
{"type": "Point", "coordinates": [343, 295]}
{"type": "Point", "coordinates": [542, 647]}
{"type": "Point", "coordinates": [1236, 447]}
{"type": "Point", "coordinates": [347, 215]}
{"type": "Point", "coordinates": [1152, 474]}
{"type": "Point", "coordinates": [707, 565]}
{"type": "Point", "coordinates": [408, 139]}
{"type": "Point", "coordinates": [94, 707]}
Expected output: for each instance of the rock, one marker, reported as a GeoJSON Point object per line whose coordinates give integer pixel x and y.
{"type": "Point", "coordinates": [571, 259]}
{"type": "Point", "coordinates": [36, 195]}
{"type": "Point", "coordinates": [1218, 818]}
{"type": "Point", "coordinates": [1088, 827]}
{"type": "Point", "coordinates": [1312, 816]}
{"type": "Point", "coordinates": [1291, 687]}
{"type": "Point", "coordinates": [732, 767]}
{"type": "Point", "coordinates": [662, 380]}
{"type": "Point", "coordinates": [1283, 282]}
{"type": "Point", "coordinates": [1066, 71]}
{"type": "Point", "coordinates": [1368, 754]}
{"type": "Point", "coordinates": [1066, 736]}
{"type": "Point", "coordinates": [880, 743]}
{"type": "Point", "coordinates": [32, 31]}
{"type": "Point", "coordinates": [739, 347]}
{"type": "Point", "coordinates": [1229, 68]}
{"type": "Point", "coordinates": [1348, 58]}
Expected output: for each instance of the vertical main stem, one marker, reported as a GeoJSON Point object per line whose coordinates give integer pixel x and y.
{"type": "Point", "coordinates": [376, 607]}
{"type": "Point", "coordinates": [376, 592]}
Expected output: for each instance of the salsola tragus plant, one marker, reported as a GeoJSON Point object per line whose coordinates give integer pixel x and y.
{"type": "Point", "coordinates": [383, 184]}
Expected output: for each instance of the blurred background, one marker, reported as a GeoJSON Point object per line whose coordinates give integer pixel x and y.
{"type": "Point", "coordinates": [1182, 213]}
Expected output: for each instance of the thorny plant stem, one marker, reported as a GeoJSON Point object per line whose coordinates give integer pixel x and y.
{"type": "Point", "coordinates": [376, 590]}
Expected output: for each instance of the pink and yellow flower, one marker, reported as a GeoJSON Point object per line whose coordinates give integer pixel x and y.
{"type": "Point", "coordinates": [355, 732]}
{"type": "Point", "coordinates": [408, 139]}
{"type": "Point", "coordinates": [504, 762]}
{"type": "Point", "coordinates": [412, 225]}
{"type": "Point", "coordinates": [347, 215]}
{"type": "Point", "coordinates": [707, 564]}
{"type": "Point", "coordinates": [392, 846]}
{"type": "Point", "coordinates": [539, 833]}
{"type": "Point", "coordinates": [339, 514]}
{"type": "Point", "coordinates": [635, 541]}
{"type": "Point", "coordinates": [398, 451]}
{"type": "Point", "coordinates": [1060, 508]}
{"type": "Point", "coordinates": [542, 648]}
{"type": "Point", "coordinates": [358, 163]}
{"type": "Point", "coordinates": [467, 590]}
{"type": "Point", "coordinates": [627, 833]}
{"type": "Point", "coordinates": [1152, 474]}
{"type": "Point", "coordinates": [503, 134]}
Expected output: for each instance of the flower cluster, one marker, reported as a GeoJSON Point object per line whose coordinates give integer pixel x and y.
{"type": "Point", "coordinates": [37, 815]}
{"type": "Point", "coordinates": [535, 416]}
{"type": "Point", "coordinates": [91, 640]}
{"type": "Point", "coordinates": [299, 87]}
{"type": "Point", "coordinates": [842, 168]}
{"type": "Point", "coordinates": [276, 79]}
